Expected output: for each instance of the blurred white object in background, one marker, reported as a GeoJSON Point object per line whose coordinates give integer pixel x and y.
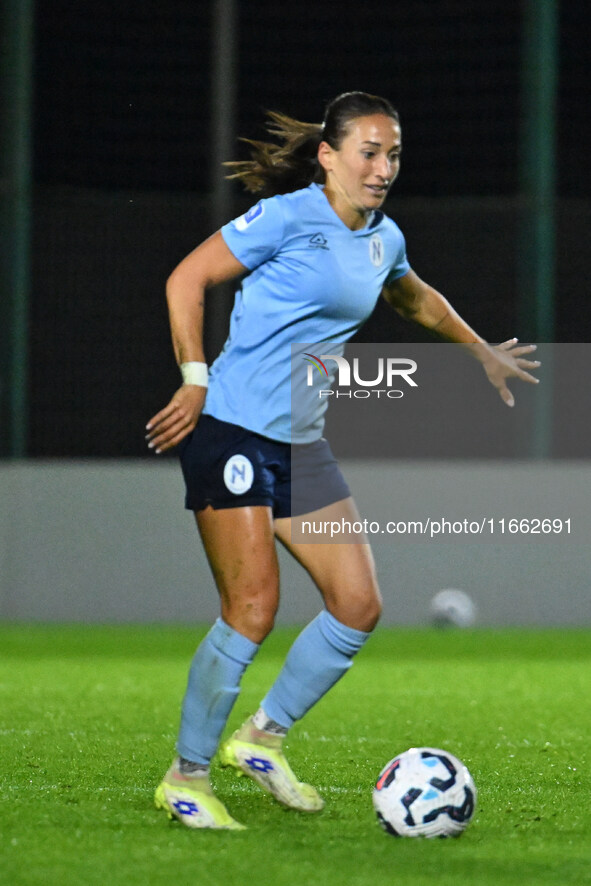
{"type": "Point", "coordinates": [452, 608]}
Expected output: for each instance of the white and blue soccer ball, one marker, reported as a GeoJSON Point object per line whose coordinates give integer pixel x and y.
{"type": "Point", "coordinates": [424, 792]}
{"type": "Point", "coordinates": [452, 608]}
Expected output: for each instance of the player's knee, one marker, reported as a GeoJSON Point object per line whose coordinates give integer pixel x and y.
{"type": "Point", "coordinates": [360, 610]}
{"type": "Point", "coordinates": [372, 611]}
{"type": "Point", "coordinates": [254, 618]}
{"type": "Point", "coordinates": [260, 622]}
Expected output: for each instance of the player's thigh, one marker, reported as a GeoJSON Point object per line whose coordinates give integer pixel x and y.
{"type": "Point", "coordinates": [343, 568]}
{"type": "Point", "coordinates": [240, 547]}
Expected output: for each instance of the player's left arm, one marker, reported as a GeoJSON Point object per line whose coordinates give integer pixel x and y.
{"type": "Point", "coordinates": [420, 303]}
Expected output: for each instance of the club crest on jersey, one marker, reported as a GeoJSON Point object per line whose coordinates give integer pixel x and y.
{"type": "Point", "coordinates": [376, 250]}
{"type": "Point", "coordinates": [238, 474]}
{"type": "Point", "coordinates": [249, 217]}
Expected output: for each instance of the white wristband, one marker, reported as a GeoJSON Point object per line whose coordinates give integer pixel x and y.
{"type": "Point", "coordinates": [194, 374]}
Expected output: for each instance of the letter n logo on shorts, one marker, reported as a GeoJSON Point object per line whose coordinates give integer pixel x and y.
{"type": "Point", "coordinates": [238, 474]}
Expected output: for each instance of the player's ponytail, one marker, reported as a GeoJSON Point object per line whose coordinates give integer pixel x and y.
{"type": "Point", "coordinates": [284, 167]}
{"type": "Point", "coordinates": [293, 163]}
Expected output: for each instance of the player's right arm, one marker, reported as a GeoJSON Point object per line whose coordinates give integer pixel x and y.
{"type": "Point", "coordinates": [210, 263]}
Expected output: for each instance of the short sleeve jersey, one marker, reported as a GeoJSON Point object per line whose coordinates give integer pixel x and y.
{"type": "Point", "coordinates": [311, 280]}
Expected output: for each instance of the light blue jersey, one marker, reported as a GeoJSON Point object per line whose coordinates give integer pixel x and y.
{"type": "Point", "coordinates": [312, 280]}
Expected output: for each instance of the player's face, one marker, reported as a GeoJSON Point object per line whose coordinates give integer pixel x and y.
{"type": "Point", "coordinates": [360, 172]}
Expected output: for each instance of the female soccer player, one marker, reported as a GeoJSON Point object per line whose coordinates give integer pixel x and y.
{"type": "Point", "coordinates": [317, 253]}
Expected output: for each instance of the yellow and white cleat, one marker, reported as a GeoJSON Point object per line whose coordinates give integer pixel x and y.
{"type": "Point", "coordinates": [192, 802]}
{"type": "Point", "coordinates": [267, 766]}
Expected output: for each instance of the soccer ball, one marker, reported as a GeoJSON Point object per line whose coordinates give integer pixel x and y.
{"type": "Point", "coordinates": [452, 608]}
{"type": "Point", "coordinates": [424, 792]}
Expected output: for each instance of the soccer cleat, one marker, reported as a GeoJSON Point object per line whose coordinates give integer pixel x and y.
{"type": "Point", "coordinates": [267, 766]}
{"type": "Point", "coordinates": [192, 802]}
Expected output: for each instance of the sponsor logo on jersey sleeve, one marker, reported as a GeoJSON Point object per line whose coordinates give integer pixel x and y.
{"type": "Point", "coordinates": [249, 217]}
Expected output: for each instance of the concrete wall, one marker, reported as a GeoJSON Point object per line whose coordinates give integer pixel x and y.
{"type": "Point", "coordinates": [110, 542]}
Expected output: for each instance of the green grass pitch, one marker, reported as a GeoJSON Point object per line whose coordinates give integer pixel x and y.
{"type": "Point", "coordinates": [88, 719]}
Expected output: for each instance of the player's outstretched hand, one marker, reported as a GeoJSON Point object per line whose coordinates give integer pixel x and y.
{"type": "Point", "coordinates": [169, 426]}
{"type": "Point", "coordinates": [507, 361]}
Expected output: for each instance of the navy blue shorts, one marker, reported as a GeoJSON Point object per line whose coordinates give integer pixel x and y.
{"type": "Point", "coordinates": [226, 466]}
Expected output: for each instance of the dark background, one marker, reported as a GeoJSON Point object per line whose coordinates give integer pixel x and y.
{"type": "Point", "coordinates": [124, 171]}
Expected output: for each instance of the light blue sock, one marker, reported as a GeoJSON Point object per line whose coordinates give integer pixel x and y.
{"type": "Point", "coordinates": [213, 686]}
{"type": "Point", "coordinates": [320, 656]}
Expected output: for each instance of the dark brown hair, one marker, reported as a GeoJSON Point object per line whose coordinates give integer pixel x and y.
{"type": "Point", "coordinates": [293, 163]}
